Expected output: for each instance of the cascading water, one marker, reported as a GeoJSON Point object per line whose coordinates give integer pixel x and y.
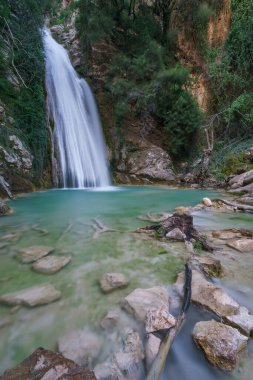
{"type": "Point", "coordinates": [77, 131]}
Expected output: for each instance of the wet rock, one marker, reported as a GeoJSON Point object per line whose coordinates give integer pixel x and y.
{"type": "Point", "coordinates": [82, 346]}
{"type": "Point", "coordinates": [242, 245]}
{"type": "Point", "coordinates": [211, 266]}
{"type": "Point", "coordinates": [4, 209]}
{"type": "Point", "coordinates": [112, 281]}
{"type": "Point", "coordinates": [140, 301]}
{"type": "Point", "coordinates": [111, 319]}
{"type": "Point", "coordinates": [206, 294]}
{"type": "Point", "coordinates": [159, 319]}
{"type": "Point", "coordinates": [221, 344]}
{"type": "Point", "coordinates": [152, 348]}
{"type": "Point", "coordinates": [243, 321]}
{"type": "Point", "coordinates": [10, 237]}
{"type": "Point", "coordinates": [51, 264]}
{"type": "Point", "coordinates": [34, 253]}
{"type": "Point", "coordinates": [176, 234]}
{"type": "Point", "coordinates": [38, 295]}
{"type": "Point", "coordinates": [47, 365]}
{"type": "Point", "coordinates": [207, 202]}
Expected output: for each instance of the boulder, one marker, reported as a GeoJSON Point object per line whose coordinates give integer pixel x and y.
{"type": "Point", "coordinates": [243, 321]}
{"type": "Point", "coordinates": [34, 253]}
{"type": "Point", "coordinates": [38, 295]}
{"type": "Point", "coordinates": [159, 319]}
{"type": "Point", "coordinates": [47, 365]}
{"type": "Point", "coordinates": [82, 346]}
{"type": "Point", "coordinates": [176, 234]}
{"type": "Point", "coordinates": [51, 264]}
{"type": "Point", "coordinates": [207, 202]}
{"type": "Point", "coordinates": [221, 343]}
{"type": "Point", "coordinates": [211, 297]}
{"type": "Point", "coordinates": [112, 281]}
{"type": "Point", "coordinates": [241, 180]}
{"type": "Point", "coordinates": [242, 245]}
{"type": "Point", "coordinates": [140, 301]}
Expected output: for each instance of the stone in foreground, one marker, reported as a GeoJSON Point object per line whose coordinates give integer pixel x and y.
{"type": "Point", "coordinates": [38, 295]}
{"type": "Point", "coordinates": [82, 346]}
{"type": "Point", "coordinates": [206, 294]}
{"type": "Point", "coordinates": [159, 319]}
{"type": "Point", "coordinates": [242, 245]}
{"type": "Point", "coordinates": [51, 264]}
{"type": "Point", "coordinates": [47, 365]}
{"type": "Point", "coordinates": [34, 253]}
{"type": "Point", "coordinates": [176, 234]}
{"type": "Point", "coordinates": [112, 281]}
{"type": "Point", "coordinates": [221, 343]}
{"type": "Point", "coordinates": [140, 301]}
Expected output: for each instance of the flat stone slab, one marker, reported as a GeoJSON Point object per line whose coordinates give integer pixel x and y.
{"type": "Point", "coordinates": [206, 294]}
{"type": "Point", "coordinates": [38, 295]}
{"type": "Point", "coordinates": [242, 245]}
{"type": "Point", "coordinates": [140, 301]}
{"type": "Point", "coordinates": [159, 319]}
{"type": "Point", "coordinates": [47, 365]}
{"type": "Point", "coordinates": [113, 281]}
{"type": "Point", "coordinates": [243, 321]}
{"type": "Point", "coordinates": [51, 264]}
{"type": "Point", "coordinates": [221, 343]}
{"type": "Point", "coordinates": [82, 346]}
{"type": "Point", "coordinates": [34, 253]}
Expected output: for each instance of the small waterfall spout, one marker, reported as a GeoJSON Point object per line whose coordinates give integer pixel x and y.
{"type": "Point", "coordinates": [77, 132]}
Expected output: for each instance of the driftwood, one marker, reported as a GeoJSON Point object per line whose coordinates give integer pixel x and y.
{"type": "Point", "coordinates": [166, 344]}
{"type": "Point", "coordinates": [99, 228]}
{"type": "Point", "coordinates": [235, 205]}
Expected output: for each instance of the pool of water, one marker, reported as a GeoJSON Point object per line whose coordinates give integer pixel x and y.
{"type": "Point", "coordinates": [63, 219]}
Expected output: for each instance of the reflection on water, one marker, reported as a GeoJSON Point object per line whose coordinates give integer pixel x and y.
{"type": "Point", "coordinates": [63, 219]}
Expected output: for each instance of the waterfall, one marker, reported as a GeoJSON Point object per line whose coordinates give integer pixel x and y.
{"type": "Point", "coordinates": [77, 133]}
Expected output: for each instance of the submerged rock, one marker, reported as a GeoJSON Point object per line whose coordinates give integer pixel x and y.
{"type": "Point", "coordinates": [221, 344]}
{"type": "Point", "coordinates": [112, 281]}
{"type": "Point", "coordinates": [38, 295]}
{"type": "Point", "coordinates": [140, 301]}
{"type": "Point", "coordinates": [206, 294]}
{"type": "Point", "coordinates": [34, 253]}
{"type": "Point", "coordinates": [111, 319]}
{"type": "Point", "coordinates": [51, 264]}
{"type": "Point", "coordinates": [47, 365]}
{"type": "Point", "coordinates": [242, 245]}
{"type": "Point", "coordinates": [82, 346]}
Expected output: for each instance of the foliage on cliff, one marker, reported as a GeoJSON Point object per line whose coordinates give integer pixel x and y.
{"type": "Point", "coordinates": [22, 74]}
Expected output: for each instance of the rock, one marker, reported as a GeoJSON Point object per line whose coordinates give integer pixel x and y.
{"type": "Point", "coordinates": [152, 348]}
{"type": "Point", "coordinates": [108, 370]}
{"type": "Point", "coordinates": [221, 344]}
{"type": "Point", "coordinates": [207, 202]}
{"type": "Point", "coordinates": [10, 237]}
{"type": "Point", "coordinates": [111, 319]}
{"type": "Point", "coordinates": [241, 180]}
{"type": "Point", "coordinates": [247, 189]}
{"type": "Point", "coordinates": [242, 245]}
{"type": "Point", "coordinates": [211, 266]}
{"type": "Point", "coordinates": [38, 295]}
{"type": "Point", "coordinates": [34, 253]}
{"type": "Point", "coordinates": [140, 301]}
{"type": "Point", "coordinates": [226, 234]}
{"type": "Point", "coordinates": [176, 234]}
{"type": "Point", "coordinates": [243, 321]}
{"type": "Point", "coordinates": [206, 294]}
{"type": "Point", "coordinates": [47, 365]}
{"type": "Point", "coordinates": [159, 319]}
{"type": "Point", "coordinates": [57, 29]}
{"type": "Point", "coordinates": [112, 281]}
{"type": "Point", "coordinates": [82, 346]}
{"type": "Point", "coordinates": [4, 209]}
{"type": "Point", "coordinates": [51, 264]}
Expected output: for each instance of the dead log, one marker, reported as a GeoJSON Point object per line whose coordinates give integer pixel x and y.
{"type": "Point", "coordinates": [167, 342]}
{"type": "Point", "coordinates": [235, 205]}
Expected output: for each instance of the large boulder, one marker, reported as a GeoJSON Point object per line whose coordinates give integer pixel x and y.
{"type": "Point", "coordinates": [36, 296]}
{"type": "Point", "coordinates": [221, 343]}
{"type": "Point", "coordinates": [140, 301]}
{"type": "Point", "coordinates": [51, 264]}
{"type": "Point", "coordinates": [112, 281]}
{"type": "Point", "coordinates": [241, 180]}
{"type": "Point", "coordinates": [47, 365]}
{"type": "Point", "coordinates": [242, 245]}
{"type": "Point", "coordinates": [34, 253]}
{"type": "Point", "coordinates": [82, 346]}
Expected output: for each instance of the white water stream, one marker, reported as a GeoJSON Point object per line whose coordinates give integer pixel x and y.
{"type": "Point", "coordinates": [77, 131]}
